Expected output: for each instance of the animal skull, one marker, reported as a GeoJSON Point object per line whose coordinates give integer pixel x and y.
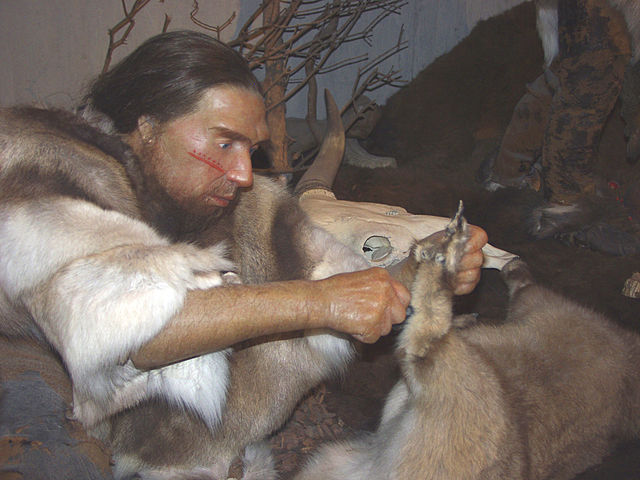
{"type": "Point", "coordinates": [384, 234]}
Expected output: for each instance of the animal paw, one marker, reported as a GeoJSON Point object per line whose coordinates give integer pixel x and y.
{"type": "Point", "coordinates": [445, 248]}
{"type": "Point", "coordinates": [516, 275]}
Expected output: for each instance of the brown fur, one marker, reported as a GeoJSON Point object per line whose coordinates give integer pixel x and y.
{"type": "Point", "coordinates": [271, 240]}
{"type": "Point", "coordinates": [81, 272]}
{"type": "Point", "coordinates": [630, 10]}
{"type": "Point", "coordinates": [268, 376]}
{"type": "Point", "coordinates": [543, 396]}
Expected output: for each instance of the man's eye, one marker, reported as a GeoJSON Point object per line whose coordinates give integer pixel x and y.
{"type": "Point", "coordinates": [224, 145]}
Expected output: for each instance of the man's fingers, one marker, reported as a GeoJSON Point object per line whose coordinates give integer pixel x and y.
{"type": "Point", "coordinates": [472, 261]}
{"type": "Point", "coordinates": [477, 240]}
{"type": "Point", "coordinates": [466, 281]}
{"type": "Point", "coordinates": [404, 296]}
{"type": "Point", "coordinates": [366, 338]}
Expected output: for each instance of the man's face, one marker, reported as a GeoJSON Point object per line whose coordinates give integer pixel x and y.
{"type": "Point", "coordinates": [203, 157]}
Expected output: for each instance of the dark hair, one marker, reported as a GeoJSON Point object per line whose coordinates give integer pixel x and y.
{"type": "Point", "coordinates": [166, 76]}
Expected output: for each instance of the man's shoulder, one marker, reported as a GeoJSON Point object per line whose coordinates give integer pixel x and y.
{"type": "Point", "coordinates": [27, 125]}
{"type": "Point", "coordinates": [57, 152]}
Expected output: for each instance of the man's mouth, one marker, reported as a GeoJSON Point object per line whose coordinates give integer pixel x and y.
{"type": "Point", "coordinates": [219, 200]}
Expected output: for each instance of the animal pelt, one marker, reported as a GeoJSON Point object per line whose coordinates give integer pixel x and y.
{"type": "Point", "coordinates": [592, 221]}
{"type": "Point", "coordinates": [81, 272]}
{"type": "Point", "coordinates": [269, 376]}
{"type": "Point", "coordinates": [543, 396]}
{"type": "Point", "coordinates": [84, 269]}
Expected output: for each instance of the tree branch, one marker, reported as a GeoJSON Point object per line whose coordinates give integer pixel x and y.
{"type": "Point", "coordinates": [127, 22]}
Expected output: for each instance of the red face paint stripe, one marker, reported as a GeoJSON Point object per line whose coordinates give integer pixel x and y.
{"type": "Point", "coordinates": [208, 161]}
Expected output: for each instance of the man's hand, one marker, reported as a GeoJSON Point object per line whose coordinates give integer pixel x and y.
{"type": "Point", "coordinates": [364, 304]}
{"type": "Point", "coordinates": [470, 265]}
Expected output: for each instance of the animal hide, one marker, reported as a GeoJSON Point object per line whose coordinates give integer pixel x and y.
{"type": "Point", "coordinates": [547, 24]}
{"type": "Point", "coordinates": [543, 396]}
{"type": "Point", "coordinates": [80, 271]}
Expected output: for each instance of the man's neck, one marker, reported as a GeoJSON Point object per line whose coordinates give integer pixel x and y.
{"type": "Point", "coordinates": [171, 219]}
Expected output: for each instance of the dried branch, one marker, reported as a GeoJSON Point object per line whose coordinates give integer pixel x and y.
{"type": "Point", "coordinates": [275, 85]}
{"type": "Point", "coordinates": [127, 22]}
{"type": "Point", "coordinates": [296, 42]}
{"type": "Point", "coordinates": [217, 29]}
{"type": "Point", "coordinates": [308, 36]}
{"type": "Point", "coordinates": [327, 46]}
{"type": "Point", "coordinates": [335, 24]}
{"type": "Point", "coordinates": [167, 21]}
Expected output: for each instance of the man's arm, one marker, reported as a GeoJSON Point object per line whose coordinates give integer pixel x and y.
{"type": "Point", "coordinates": [363, 304]}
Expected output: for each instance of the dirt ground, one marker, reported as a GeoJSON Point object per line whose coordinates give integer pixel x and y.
{"type": "Point", "coordinates": [440, 128]}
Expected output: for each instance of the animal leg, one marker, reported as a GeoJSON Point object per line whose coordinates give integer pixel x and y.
{"type": "Point", "coordinates": [438, 257]}
{"type": "Point", "coordinates": [516, 276]}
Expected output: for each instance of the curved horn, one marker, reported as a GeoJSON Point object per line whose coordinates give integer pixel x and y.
{"type": "Point", "coordinates": [322, 172]}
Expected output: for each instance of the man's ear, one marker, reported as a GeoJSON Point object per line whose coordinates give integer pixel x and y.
{"type": "Point", "coordinates": [145, 128]}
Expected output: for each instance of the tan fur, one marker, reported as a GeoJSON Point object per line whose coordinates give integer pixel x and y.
{"type": "Point", "coordinates": [543, 396]}
{"type": "Point", "coordinates": [268, 376]}
{"type": "Point", "coordinates": [77, 264]}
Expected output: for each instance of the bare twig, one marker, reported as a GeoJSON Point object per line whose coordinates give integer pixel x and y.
{"type": "Point", "coordinates": [167, 21]}
{"type": "Point", "coordinates": [297, 42]}
{"type": "Point", "coordinates": [128, 23]}
{"type": "Point", "coordinates": [217, 29]}
{"type": "Point", "coordinates": [335, 24]}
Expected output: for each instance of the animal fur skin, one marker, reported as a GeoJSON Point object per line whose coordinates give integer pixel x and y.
{"type": "Point", "coordinates": [547, 25]}
{"type": "Point", "coordinates": [581, 221]}
{"type": "Point", "coordinates": [543, 396]}
{"type": "Point", "coordinates": [268, 376]}
{"type": "Point", "coordinates": [84, 270]}
{"type": "Point", "coordinates": [76, 265]}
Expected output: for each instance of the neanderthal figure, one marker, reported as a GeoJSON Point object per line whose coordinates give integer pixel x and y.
{"type": "Point", "coordinates": [78, 264]}
{"type": "Point", "coordinates": [543, 396]}
{"type": "Point", "coordinates": [591, 50]}
{"type": "Point", "coordinates": [112, 254]}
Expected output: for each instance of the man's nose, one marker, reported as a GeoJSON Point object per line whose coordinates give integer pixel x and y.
{"type": "Point", "coordinates": [240, 171]}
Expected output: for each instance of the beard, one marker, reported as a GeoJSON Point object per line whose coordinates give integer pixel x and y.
{"type": "Point", "coordinates": [176, 221]}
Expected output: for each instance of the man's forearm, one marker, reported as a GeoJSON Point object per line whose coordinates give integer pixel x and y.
{"type": "Point", "coordinates": [218, 318]}
{"type": "Point", "coordinates": [363, 304]}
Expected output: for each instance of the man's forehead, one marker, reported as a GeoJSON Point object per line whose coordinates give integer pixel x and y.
{"type": "Point", "coordinates": [234, 112]}
{"type": "Point", "coordinates": [229, 96]}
